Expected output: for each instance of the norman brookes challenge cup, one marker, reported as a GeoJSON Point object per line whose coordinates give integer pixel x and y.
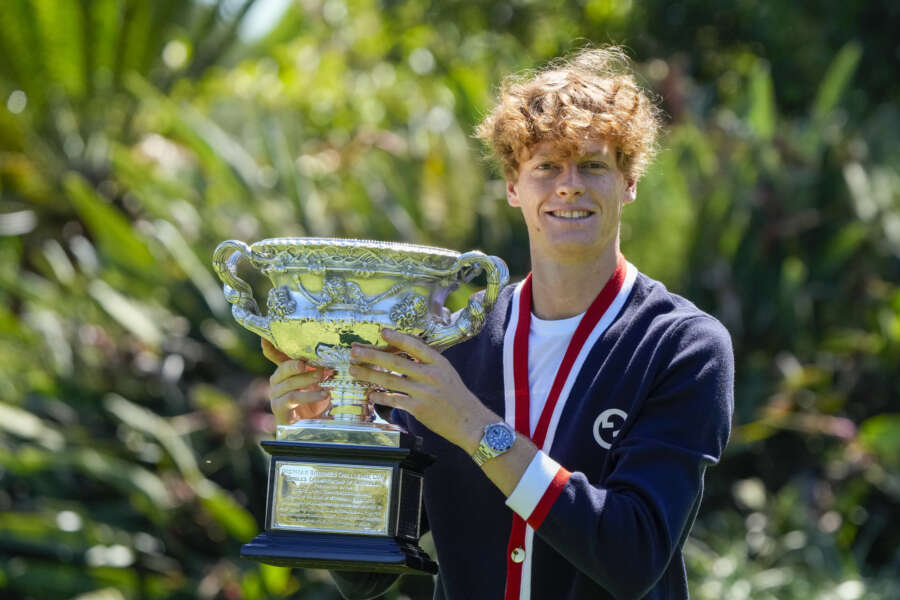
{"type": "Point", "coordinates": [345, 491]}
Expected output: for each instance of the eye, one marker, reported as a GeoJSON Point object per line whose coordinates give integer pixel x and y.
{"type": "Point", "coordinates": [545, 169]}
{"type": "Point", "coordinates": [594, 165]}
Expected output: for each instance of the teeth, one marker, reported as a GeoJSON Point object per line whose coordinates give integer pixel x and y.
{"type": "Point", "coordinates": [571, 214]}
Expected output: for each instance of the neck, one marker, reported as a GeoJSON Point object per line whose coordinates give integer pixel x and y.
{"type": "Point", "coordinates": [560, 290]}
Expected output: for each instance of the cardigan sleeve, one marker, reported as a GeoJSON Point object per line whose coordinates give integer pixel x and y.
{"type": "Point", "coordinates": [623, 533]}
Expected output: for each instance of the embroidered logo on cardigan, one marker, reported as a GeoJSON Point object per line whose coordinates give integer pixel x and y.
{"type": "Point", "coordinates": [607, 426]}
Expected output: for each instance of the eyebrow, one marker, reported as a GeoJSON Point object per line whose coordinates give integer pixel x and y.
{"type": "Point", "coordinates": [599, 155]}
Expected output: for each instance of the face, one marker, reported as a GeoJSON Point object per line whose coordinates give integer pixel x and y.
{"type": "Point", "coordinates": [572, 203]}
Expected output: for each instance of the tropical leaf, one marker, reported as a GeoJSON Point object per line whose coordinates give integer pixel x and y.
{"type": "Point", "coordinates": [761, 116]}
{"type": "Point", "coordinates": [113, 232]}
{"type": "Point", "coordinates": [836, 80]}
{"type": "Point", "coordinates": [881, 435]}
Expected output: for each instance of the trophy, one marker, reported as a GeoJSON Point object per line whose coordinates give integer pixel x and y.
{"type": "Point", "coordinates": [344, 489]}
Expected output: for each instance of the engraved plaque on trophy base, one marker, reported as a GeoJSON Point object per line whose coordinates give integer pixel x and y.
{"type": "Point", "coordinates": [343, 507]}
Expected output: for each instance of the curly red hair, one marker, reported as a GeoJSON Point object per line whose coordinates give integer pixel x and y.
{"type": "Point", "coordinates": [589, 96]}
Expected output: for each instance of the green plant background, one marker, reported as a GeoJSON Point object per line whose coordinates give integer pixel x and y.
{"type": "Point", "coordinates": [136, 135]}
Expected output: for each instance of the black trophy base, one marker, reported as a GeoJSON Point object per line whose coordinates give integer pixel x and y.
{"type": "Point", "coordinates": [302, 477]}
{"type": "Point", "coordinates": [339, 553]}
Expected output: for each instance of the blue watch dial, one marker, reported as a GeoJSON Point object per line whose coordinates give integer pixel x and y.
{"type": "Point", "coordinates": [499, 436]}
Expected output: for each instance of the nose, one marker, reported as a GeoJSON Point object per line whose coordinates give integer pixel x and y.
{"type": "Point", "coordinates": [571, 184]}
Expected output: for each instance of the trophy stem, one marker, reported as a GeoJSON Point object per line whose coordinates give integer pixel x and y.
{"type": "Point", "coordinates": [349, 398]}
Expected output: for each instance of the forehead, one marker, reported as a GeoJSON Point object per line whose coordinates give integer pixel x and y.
{"type": "Point", "coordinates": [569, 149]}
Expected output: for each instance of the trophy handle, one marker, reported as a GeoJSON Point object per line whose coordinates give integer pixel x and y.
{"type": "Point", "coordinates": [469, 320]}
{"type": "Point", "coordinates": [237, 291]}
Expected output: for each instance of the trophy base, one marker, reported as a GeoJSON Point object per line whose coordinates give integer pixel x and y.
{"type": "Point", "coordinates": [328, 431]}
{"type": "Point", "coordinates": [346, 553]}
{"type": "Point", "coordinates": [344, 506]}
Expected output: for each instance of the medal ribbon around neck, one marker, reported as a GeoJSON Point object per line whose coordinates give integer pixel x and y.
{"type": "Point", "coordinates": [523, 397]}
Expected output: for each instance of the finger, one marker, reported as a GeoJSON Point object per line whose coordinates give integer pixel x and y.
{"type": "Point", "coordinates": [385, 360]}
{"type": "Point", "coordinates": [288, 368]}
{"type": "Point", "coordinates": [389, 349]}
{"type": "Point", "coordinates": [392, 399]}
{"type": "Point", "coordinates": [309, 379]}
{"type": "Point", "coordinates": [388, 380]}
{"type": "Point", "coordinates": [283, 405]}
{"type": "Point", "coordinates": [309, 410]}
{"type": "Point", "coordinates": [412, 345]}
{"type": "Point", "coordinates": [303, 411]}
{"type": "Point", "coordinates": [273, 353]}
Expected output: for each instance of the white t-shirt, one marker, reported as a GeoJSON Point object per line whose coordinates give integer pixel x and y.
{"type": "Point", "coordinates": [547, 343]}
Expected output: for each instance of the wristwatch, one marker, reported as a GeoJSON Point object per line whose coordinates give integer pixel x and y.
{"type": "Point", "coordinates": [497, 439]}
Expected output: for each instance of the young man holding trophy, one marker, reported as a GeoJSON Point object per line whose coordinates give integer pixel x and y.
{"type": "Point", "coordinates": [571, 435]}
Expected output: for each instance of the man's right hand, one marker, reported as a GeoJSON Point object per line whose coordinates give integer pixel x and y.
{"type": "Point", "coordinates": [294, 391]}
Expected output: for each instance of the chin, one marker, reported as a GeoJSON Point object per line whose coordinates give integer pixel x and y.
{"type": "Point", "coordinates": [574, 251]}
{"type": "Point", "coordinates": [571, 249]}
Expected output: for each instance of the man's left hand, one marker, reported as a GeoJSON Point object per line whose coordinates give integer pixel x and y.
{"type": "Point", "coordinates": [430, 388]}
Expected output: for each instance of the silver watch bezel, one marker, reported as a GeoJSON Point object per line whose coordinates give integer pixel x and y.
{"type": "Point", "coordinates": [486, 450]}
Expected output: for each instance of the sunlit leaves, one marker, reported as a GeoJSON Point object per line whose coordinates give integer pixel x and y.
{"type": "Point", "coordinates": [881, 435]}
{"type": "Point", "coordinates": [836, 80]}
{"type": "Point", "coordinates": [111, 229]}
{"type": "Point", "coordinates": [761, 115]}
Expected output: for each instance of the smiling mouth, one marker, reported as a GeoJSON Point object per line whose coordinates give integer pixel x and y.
{"type": "Point", "coordinates": [570, 214]}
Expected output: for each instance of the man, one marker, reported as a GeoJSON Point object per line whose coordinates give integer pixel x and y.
{"type": "Point", "coordinates": [572, 434]}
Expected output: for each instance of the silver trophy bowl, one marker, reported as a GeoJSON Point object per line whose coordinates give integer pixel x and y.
{"type": "Point", "coordinates": [329, 293]}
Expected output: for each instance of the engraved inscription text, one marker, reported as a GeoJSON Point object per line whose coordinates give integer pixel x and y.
{"type": "Point", "coordinates": [328, 497]}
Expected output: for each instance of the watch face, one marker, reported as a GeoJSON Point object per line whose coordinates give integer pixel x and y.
{"type": "Point", "coordinates": [500, 437]}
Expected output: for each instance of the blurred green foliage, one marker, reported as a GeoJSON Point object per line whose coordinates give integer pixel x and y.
{"type": "Point", "coordinates": [135, 136]}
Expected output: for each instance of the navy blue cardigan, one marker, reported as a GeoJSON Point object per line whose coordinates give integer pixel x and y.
{"type": "Point", "coordinates": [618, 527]}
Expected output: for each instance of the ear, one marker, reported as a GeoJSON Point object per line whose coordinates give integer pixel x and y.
{"type": "Point", "coordinates": [512, 193]}
{"type": "Point", "coordinates": [630, 191]}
